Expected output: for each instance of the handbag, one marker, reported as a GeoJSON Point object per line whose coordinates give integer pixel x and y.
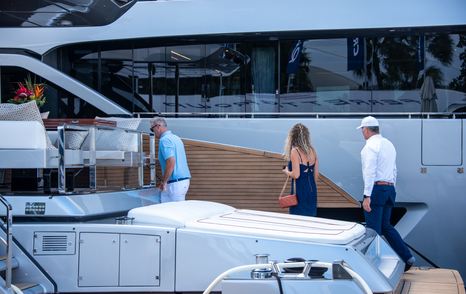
{"type": "Point", "coordinates": [286, 201]}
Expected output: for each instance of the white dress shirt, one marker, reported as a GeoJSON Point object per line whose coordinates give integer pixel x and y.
{"type": "Point", "coordinates": [378, 159]}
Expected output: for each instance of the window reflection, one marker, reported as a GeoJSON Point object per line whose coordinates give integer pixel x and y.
{"type": "Point", "coordinates": [445, 63]}
{"type": "Point", "coordinates": [59, 102]}
{"type": "Point", "coordinates": [224, 76]}
{"type": "Point", "coordinates": [322, 82]}
{"type": "Point", "coordinates": [150, 66]}
{"type": "Point", "coordinates": [185, 78]}
{"type": "Point", "coordinates": [263, 79]}
{"type": "Point", "coordinates": [395, 74]}
{"type": "Point", "coordinates": [357, 74]}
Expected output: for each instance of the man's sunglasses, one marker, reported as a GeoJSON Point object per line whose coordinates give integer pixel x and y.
{"type": "Point", "coordinates": [153, 127]}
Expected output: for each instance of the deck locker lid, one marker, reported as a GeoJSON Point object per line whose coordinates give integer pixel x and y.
{"type": "Point", "coordinates": [220, 218]}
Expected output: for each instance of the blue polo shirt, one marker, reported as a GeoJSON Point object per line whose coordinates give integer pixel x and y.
{"type": "Point", "coordinates": [170, 145]}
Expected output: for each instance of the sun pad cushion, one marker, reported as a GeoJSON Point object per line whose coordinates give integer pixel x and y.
{"type": "Point", "coordinates": [23, 112]}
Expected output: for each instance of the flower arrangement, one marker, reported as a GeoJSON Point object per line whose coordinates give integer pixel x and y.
{"type": "Point", "coordinates": [29, 91]}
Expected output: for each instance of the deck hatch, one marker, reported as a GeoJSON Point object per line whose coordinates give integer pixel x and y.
{"type": "Point", "coordinates": [54, 243]}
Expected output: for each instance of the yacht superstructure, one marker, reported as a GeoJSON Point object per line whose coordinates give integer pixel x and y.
{"type": "Point", "coordinates": [75, 234]}
{"type": "Point", "coordinates": [243, 73]}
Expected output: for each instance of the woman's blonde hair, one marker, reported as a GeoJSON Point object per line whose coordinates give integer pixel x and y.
{"type": "Point", "coordinates": [298, 137]}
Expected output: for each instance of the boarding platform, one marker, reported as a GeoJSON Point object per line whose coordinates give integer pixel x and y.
{"type": "Point", "coordinates": [421, 280]}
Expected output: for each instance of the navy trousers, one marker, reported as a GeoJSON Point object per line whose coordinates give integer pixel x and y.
{"type": "Point", "coordinates": [382, 202]}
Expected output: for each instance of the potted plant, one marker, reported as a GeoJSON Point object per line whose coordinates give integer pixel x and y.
{"type": "Point", "coordinates": [30, 91]}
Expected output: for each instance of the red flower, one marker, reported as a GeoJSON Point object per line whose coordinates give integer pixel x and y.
{"type": "Point", "coordinates": [23, 91]}
{"type": "Point", "coordinates": [29, 91]}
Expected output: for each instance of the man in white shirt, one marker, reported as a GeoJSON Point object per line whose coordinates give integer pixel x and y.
{"type": "Point", "coordinates": [378, 159]}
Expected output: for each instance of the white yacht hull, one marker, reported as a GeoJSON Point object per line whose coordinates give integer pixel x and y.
{"type": "Point", "coordinates": [182, 247]}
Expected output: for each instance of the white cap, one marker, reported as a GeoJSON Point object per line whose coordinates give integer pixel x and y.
{"type": "Point", "coordinates": [369, 121]}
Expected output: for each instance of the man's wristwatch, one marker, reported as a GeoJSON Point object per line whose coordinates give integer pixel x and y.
{"type": "Point", "coordinates": [365, 196]}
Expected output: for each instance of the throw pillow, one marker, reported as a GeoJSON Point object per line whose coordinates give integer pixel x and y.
{"type": "Point", "coordinates": [117, 139]}
{"type": "Point", "coordinates": [23, 112]}
{"type": "Point", "coordinates": [73, 139]}
{"type": "Point", "coordinates": [128, 141]}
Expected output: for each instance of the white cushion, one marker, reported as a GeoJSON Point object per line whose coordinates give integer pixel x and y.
{"type": "Point", "coordinates": [23, 112]}
{"type": "Point", "coordinates": [19, 135]}
{"type": "Point", "coordinates": [117, 139]}
{"type": "Point", "coordinates": [177, 214]}
{"type": "Point", "coordinates": [38, 158]}
{"type": "Point", "coordinates": [107, 140]}
{"type": "Point", "coordinates": [280, 226]}
{"type": "Point", "coordinates": [22, 158]}
{"type": "Point", "coordinates": [129, 141]}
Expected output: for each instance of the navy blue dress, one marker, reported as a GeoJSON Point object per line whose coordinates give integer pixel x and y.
{"type": "Point", "coordinates": [306, 190]}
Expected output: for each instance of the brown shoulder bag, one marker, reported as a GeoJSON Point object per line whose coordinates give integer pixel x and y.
{"type": "Point", "coordinates": [286, 201]}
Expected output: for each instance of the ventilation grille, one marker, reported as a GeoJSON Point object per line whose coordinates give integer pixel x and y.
{"type": "Point", "coordinates": [54, 243]}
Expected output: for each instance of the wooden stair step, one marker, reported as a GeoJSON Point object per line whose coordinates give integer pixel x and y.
{"type": "Point", "coordinates": [244, 178]}
{"type": "Point", "coordinates": [431, 281]}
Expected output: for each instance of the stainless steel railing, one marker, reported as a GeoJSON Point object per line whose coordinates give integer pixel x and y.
{"type": "Point", "coordinates": [320, 115]}
{"type": "Point", "coordinates": [9, 242]}
{"type": "Point", "coordinates": [92, 160]}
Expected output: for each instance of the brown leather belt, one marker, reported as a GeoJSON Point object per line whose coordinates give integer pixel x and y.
{"type": "Point", "coordinates": [383, 183]}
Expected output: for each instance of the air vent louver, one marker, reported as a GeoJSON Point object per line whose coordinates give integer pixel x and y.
{"type": "Point", "coordinates": [54, 243]}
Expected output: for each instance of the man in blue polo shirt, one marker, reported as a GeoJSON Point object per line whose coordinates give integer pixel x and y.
{"type": "Point", "coordinates": [172, 157]}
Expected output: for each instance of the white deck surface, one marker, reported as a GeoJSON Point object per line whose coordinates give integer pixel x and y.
{"type": "Point", "coordinates": [215, 217]}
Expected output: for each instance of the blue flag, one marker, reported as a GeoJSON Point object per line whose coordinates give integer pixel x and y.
{"type": "Point", "coordinates": [295, 56]}
{"type": "Point", "coordinates": [355, 47]}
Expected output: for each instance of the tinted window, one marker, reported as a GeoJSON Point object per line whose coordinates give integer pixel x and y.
{"type": "Point", "coordinates": [358, 74]}
{"type": "Point", "coordinates": [321, 81]}
{"type": "Point", "coordinates": [59, 102]}
{"type": "Point", "coordinates": [445, 65]}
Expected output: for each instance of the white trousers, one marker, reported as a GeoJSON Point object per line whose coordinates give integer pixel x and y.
{"type": "Point", "coordinates": [175, 191]}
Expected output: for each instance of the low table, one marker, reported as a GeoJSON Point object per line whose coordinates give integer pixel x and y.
{"type": "Point", "coordinates": [53, 123]}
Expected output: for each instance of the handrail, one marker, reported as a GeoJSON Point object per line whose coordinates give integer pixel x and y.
{"type": "Point", "coordinates": [276, 268]}
{"type": "Point", "coordinates": [27, 254]}
{"type": "Point", "coordinates": [318, 115]}
{"type": "Point", "coordinates": [9, 241]}
{"type": "Point", "coordinates": [92, 162]}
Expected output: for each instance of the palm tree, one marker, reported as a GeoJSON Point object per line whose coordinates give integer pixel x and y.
{"type": "Point", "coordinates": [394, 64]}
{"type": "Point", "coordinates": [459, 83]}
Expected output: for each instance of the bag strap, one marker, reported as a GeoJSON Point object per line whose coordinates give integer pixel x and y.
{"type": "Point", "coordinates": [284, 186]}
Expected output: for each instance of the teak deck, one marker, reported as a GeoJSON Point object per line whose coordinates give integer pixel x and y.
{"type": "Point", "coordinates": [247, 178]}
{"type": "Point", "coordinates": [430, 281]}
{"type": "Point", "coordinates": [53, 123]}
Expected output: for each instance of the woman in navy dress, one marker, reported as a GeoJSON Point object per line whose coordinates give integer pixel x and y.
{"type": "Point", "coordinates": [303, 168]}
